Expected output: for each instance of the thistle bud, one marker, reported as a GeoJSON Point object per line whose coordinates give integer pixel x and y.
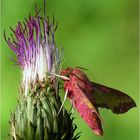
{"type": "Point", "coordinates": [36, 116]}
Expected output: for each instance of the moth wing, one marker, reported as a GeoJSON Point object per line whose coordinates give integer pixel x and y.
{"type": "Point", "coordinates": [89, 112]}
{"type": "Point", "coordinates": [113, 99]}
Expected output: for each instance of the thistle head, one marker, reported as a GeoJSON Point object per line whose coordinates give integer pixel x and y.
{"type": "Point", "coordinates": [39, 114]}
{"type": "Point", "coordinates": [33, 43]}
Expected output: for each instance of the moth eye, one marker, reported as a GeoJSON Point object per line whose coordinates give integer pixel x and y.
{"type": "Point", "coordinates": [67, 75]}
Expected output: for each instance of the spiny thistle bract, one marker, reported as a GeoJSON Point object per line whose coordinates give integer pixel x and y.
{"type": "Point", "coordinates": [36, 116]}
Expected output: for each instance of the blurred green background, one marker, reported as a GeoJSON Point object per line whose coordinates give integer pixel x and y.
{"type": "Point", "coordinates": [99, 35]}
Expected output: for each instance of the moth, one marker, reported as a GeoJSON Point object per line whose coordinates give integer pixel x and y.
{"type": "Point", "coordinates": [87, 97]}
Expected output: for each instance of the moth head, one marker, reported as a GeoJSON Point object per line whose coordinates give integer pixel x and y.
{"type": "Point", "coordinates": [66, 72]}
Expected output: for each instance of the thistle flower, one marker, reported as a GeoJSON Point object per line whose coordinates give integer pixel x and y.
{"type": "Point", "coordinates": [36, 116]}
{"type": "Point", "coordinates": [35, 50]}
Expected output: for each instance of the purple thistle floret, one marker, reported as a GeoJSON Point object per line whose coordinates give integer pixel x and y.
{"type": "Point", "coordinates": [34, 45]}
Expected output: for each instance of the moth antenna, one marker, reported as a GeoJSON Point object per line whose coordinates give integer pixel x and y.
{"type": "Point", "coordinates": [63, 102]}
{"type": "Point", "coordinates": [80, 68]}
